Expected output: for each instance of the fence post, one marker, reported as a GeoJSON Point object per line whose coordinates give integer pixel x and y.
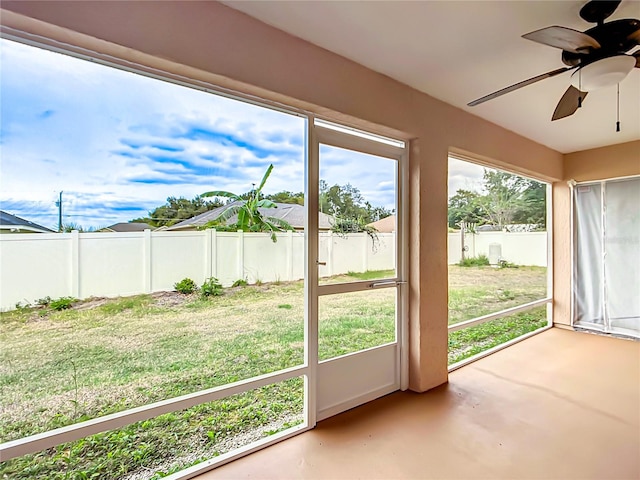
{"type": "Point", "coordinates": [289, 255]}
{"type": "Point", "coordinates": [207, 253]}
{"type": "Point", "coordinates": [330, 254]}
{"type": "Point", "coordinates": [472, 244]}
{"type": "Point", "coordinates": [75, 264]}
{"type": "Point", "coordinates": [240, 254]}
{"type": "Point", "coordinates": [146, 261]}
{"type": "Point", "coordinates": [214, 253]}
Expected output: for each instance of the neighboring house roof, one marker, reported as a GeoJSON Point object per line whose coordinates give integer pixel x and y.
{"type": "Point", "coordinates": [127, 227]}
{"type": "Point", "coordinates": [488, 228]}
{"type": "Point", "coordinates": [385, 225]}
{"type": "Point", "coordinates": [293, 214]}
{"type": "Point", "coordinates": [13, 224]}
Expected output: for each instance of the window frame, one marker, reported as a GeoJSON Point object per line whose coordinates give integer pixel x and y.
{"type": "Point", "coordinates": [307, 369]}
{"type": "Point", "coordinates": [548, 300]}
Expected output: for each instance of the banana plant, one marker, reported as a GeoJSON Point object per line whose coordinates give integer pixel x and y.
{"type": "Point", "coordinates": [247, 208]}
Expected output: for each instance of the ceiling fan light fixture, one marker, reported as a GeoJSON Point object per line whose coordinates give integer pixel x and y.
{"type": "Point", "coordinates": [603, 73]}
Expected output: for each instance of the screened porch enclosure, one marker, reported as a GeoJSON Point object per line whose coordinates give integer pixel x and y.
{"type": "Point", "coordinates": [606, 275]}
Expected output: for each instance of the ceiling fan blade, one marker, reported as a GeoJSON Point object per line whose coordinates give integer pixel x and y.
{"type": "Point", "coordinates": [569, 103]}
{"type": "Point", "coordinates": [565, 38]}
{"type": "Point", "coordinates": [518, 85]}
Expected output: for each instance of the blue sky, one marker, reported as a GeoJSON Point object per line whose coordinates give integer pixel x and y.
{"type": "Point", "coordinates": [118, 144]}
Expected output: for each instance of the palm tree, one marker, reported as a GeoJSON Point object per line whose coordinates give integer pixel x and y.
{"type": "Point", "coordinates": [247, 207]}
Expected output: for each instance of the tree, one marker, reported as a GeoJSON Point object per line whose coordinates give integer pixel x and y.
{"type": "Point", "coordinates": [71, 226]}
{"type": "Point", "coordinates": [535, 209]}
{"type": "Point", "coordinates": [377, 213]}
{"type": "Point", "coordinates": [287, 197]}
{"type": "Point", "coordinates": [177, 210]}
{"type": "Point", "coordinates": [465, 206]}
{"type": "Point", "coordinates": [247, 207]}
{"type": "Point", "coordinates": [505, 199]}
{"type": "Point", "coordinates": [345, 202]}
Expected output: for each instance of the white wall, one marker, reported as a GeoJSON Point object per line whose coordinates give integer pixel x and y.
{"type": "Point", "coordinates": [526, 248]}
{"type": "Point", "coordinates": [110, 264]}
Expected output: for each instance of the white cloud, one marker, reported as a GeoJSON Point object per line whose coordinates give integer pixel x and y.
{"type": "Point", "coordinates": [118, 144]}
{"type": "Point", "coordinates": [464, 176]}
{"type": "Point", "coordinates": [120, 138]}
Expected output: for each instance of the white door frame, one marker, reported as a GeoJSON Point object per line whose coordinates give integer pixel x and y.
{"type": "Point", "coordinates": [390, 361]}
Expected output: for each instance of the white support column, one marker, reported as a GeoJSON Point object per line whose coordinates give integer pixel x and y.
{"type": "Point", "coordinates": [75, 264]}
{"type": "Point", "coordinates": [311, 265]}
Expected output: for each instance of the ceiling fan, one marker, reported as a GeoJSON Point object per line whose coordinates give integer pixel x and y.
{"type": "Point", "coordinates": [598, 55]}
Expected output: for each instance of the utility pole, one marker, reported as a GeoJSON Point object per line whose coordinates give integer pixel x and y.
{"type": "Point", "coordinates": [59, 205]}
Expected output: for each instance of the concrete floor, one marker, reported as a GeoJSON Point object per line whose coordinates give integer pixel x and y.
{"type": "Point", "coordinates": [561, 405]}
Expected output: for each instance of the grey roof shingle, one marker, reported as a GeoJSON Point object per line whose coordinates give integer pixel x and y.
{"type": "Point", "coordinates": [290, 213]}
{"type": "Point", "coordinates": [12, 222]}
{"type": "Point", "coordinates": [129, 227]}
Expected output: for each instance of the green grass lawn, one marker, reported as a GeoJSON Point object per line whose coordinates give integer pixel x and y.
{"type": "Point", "coordinates": [477, 291]}
{"type": "Point", "coordinates": [470, 341]}
{"type": "Point", "coordinates": [104, 356]}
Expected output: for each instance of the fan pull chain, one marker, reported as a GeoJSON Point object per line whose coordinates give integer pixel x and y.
{"type": "Point", "coordinates": [580, 88]}
{"type": "Point", "coordinates": [618, 117]}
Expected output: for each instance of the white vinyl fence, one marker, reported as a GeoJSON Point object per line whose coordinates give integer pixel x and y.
{"type": "Point", "coordinates": [109, 264]}
{"type": "Point", "coordinates": [520, 248]}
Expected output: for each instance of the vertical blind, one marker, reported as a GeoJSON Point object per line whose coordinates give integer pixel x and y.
{"type": "Point", "coordinates": [606, 275]}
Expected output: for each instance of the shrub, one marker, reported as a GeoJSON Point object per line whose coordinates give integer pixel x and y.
{"type": "Point", "coordinates": [343, 226]}
{"type": "Point", "coordinates": [240, 283]}
{"type": "Point", "coordinates": [186, 286]}
{"type": "Point", "coordinates": [23, 306]}
{"type": "Point", "coordinates": [211, 287]}
{"type": "Point", "coordinates": [62, 303]}
{"type": "Point", "coordinates": [479, 261]}
{"type": "Point", "coordinates": [45, 301]}
{"type": "Point", "coordinates": [506, 264]}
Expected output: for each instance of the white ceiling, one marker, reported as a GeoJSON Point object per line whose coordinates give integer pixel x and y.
{"type": "Point", "coordinates": [458, 51]}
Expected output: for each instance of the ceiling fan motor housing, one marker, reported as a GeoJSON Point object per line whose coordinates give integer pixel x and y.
{"type": "Point", "coordinates": [616, 37]}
